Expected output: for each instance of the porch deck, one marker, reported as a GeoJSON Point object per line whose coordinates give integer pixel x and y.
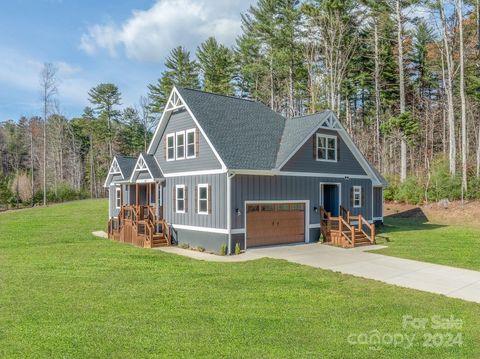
{"type": "Point", "coordinates": [137, 224]}
{"type": "Point", "coordinates": [342, 232]}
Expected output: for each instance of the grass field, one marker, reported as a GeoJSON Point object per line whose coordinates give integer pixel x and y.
{"type": "Point", "coordinates": [454, 245]}
{"type": "Point", "coordinates": [65, 293]}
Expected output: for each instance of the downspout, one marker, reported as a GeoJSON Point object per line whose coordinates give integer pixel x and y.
{"type": "Point", "coordinates": [229, 210]}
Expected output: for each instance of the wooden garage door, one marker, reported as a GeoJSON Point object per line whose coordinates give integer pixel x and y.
{"type": "Point", "coordinates": [278, 223]}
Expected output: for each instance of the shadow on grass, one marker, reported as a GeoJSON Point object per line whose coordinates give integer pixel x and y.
{"type": "Point", "coordinates": [411, 220]}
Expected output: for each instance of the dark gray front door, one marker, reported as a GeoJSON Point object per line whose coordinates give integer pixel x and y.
{"type": "Point", "coordinates": [331, 198]}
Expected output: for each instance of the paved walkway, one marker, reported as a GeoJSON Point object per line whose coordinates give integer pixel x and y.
{"type": "Point", "coordinates": [434, 278]}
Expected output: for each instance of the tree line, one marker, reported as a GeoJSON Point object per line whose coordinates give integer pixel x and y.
{"type": "Point", "coordinates": [403, 76]}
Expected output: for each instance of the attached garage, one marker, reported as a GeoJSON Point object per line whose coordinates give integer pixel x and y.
{"type": "Point", "coordinates": [275, 223]}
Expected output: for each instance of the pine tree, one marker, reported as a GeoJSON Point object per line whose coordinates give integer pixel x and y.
{"type": "Point", "coordinates": [180, 71]}
{"type": "Point", "coordinates": [217, 67]}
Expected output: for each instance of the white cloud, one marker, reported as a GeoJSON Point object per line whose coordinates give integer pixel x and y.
{"type": "Point", "coordinates": [149, 35]}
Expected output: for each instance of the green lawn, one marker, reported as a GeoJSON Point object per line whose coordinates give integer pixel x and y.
{"type": "Point", "coordinates": [452, 245]}
{"type": "Point", "coordinates": [67, 294]}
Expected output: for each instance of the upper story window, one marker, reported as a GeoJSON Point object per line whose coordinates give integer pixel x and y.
{"type": "Point", "coordinates": [326, 147]}
{"type": "Point", "coordinates": [180, 139]}
{"type": "Point", "coordinates": [181, 145]}
{"type": "Point", "coordinates": [357, 196]}
{"type": "Point", "coordinates": [118, 197]}
{"type": "Point", "coordinates": [180, 198]}
{"type": "Point", "coordinates": [191, 143]}
{"type": "Point", "coordinates": [170, 147]}
{"type": "Point", "coordinates": [202, 198]}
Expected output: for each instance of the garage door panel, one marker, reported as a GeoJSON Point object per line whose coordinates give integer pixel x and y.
{"type": "Point", "coordinates": [279, 223]}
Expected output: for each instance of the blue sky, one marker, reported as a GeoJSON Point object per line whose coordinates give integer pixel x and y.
{"type": "Point", "coordinates": [122, 41]}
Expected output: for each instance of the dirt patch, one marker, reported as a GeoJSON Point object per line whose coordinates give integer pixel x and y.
{"type": "Point", "coordinates": [467, 214]}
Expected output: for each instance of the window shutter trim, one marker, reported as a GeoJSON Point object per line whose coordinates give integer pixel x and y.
{"type": "Point", "coordinates": [314, 146]}
{"type": "Point", "coordinates": [185, 199]}
{"type": "Point", "coordinates": [338, 149]}
{"type": "Point", "coordinates": [196, 199]}
{"type": "Point", "coordinates": [197, 142]}
{"type": "Point", "coordinates": [175, 199]}
{"type": "Point", "coordinates": [209, 203]}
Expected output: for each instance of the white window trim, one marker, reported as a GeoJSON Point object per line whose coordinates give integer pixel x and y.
{"type": "Point", "coordinates": [176, 198]}
{"type": "Point", "coordinates": [319, 135]}
{"type": "Point", "coordinates": [176, 145]}
{"type": "Point", "coordinates": [174, 148]}
{"type": "Point", "coordinates": [118, 197]}
{"type": "Point", "coordinates": [194, 131]}
{"type": "Point", "coordinates": [357, 190]}
{"type": "Point", "coordinates": [203, 185]}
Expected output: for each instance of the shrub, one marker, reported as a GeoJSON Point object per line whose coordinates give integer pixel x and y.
{"type": "Point", "coordinates": [184, 245]}
{"type": "Point", "coordinates": [237, 248]}
{"type": "Point", "coordinates": [410, 191]}
{"type": "Point", "coordinates": [200, 249]}
{"type": "Point", "coordinates": [223, 249]}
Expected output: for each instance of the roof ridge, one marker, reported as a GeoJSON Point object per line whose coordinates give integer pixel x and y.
{"type": "Point", "coordinates": [219, 94]}
{"type": "Point", "coordinates": [311, 114]}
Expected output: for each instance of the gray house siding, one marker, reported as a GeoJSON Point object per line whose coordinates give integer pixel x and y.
{"type": "Point", "coordinates": [377, 202]}
{"type": "Point", "coordinates": [303, 160]}
{"type": "Point", "coordinates": [111, 199]}
{"type": "Point", "coordinates": [210, 241]}
{"type": "Point", "coordinates": [275, 188]}
{"type": "Point", "coordinates": [215, 219]}
{"type": "Point", "coordinates": [206, 160]}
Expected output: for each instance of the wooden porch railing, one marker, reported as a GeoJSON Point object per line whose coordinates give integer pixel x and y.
{"type": "Point", "coordinates": [140, 226]}
{"type": "Point", "coordinates": [340, 231]}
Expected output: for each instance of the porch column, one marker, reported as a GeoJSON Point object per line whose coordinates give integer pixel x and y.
{"type": "Point", "coordinates": [136, 194]}
{"type": "Point", "coordinates": [157, 207]}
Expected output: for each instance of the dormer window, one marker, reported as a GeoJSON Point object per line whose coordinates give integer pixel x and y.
{"type": "Point", "coordinates": [326, 148]}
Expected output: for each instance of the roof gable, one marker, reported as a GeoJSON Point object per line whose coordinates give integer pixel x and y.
{"type": "Point", "coordinates": [121, 166]}
{"type": "Point", "coordinates": [146, 163]}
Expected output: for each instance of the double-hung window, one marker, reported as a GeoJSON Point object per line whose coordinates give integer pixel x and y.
{"type": "Point", "coordinates": [180, 139]}
{"type": "Point", "coordinates": [118, 197]}
{"type": "Point", "coordinates": [191, 143]}
{"type": "Point", "coordinates": [357, 196]}
{"type": "Point", "coordinates": [202, 197]}
{"type": "Point", "coordinates": [326, 148]}
{"type": "Point", "coordinates": [170, 147]}
{"type": "Point", "coordinates": [180, 198]}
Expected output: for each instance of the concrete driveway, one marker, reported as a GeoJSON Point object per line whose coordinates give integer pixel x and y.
{"type": "Point", "coordinates": [434, 278]}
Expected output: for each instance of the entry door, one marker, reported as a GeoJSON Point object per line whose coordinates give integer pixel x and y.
{"type": "Point", "coordinates": [331, 198]}
{"type": "Point", "coordinates": [275, 223]}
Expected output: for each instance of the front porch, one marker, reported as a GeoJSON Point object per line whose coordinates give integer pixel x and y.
{"type": "Point", "coordinates": [346, 230]}
{"type": "Point", "coordinates": [140, 216]}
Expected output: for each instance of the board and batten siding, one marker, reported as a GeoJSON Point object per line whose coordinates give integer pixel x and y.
{"type": "Point", "coordinates": [304, 161]}
{"type": "Point", "coordinates": [206, 160]}
{"type": "Point", "coordinates": [217, 218]}
{"type": "Point", "coordinates": [288, 188]}
{"type": "Point", "coordinates": [377, 202]}
{"type": "Point", "coordinates": [111, 199]}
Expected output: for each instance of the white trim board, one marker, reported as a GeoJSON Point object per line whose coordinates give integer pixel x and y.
{"type": "Point", "coordinates": [200, 229]}
{"type": "Point", "coordinates": [194, 173]}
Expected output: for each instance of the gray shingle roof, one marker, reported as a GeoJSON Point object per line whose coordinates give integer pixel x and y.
{"type": "Point", "coordinates": [295, 132]}
{"type": "Point", "coordinates": [246, 134]}
{"type": "Point", "coordinates": [152, 165]}
{"type": "Point", "coordinates": [127, 164]}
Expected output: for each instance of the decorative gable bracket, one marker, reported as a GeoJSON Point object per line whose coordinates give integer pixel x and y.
{"type": "Point", "coordinates": [331, 122]}
{"type": "Point", "coordinates": [174, 102]}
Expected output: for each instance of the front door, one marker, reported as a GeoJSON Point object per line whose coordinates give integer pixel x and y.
{"type": "Point", "coordinates": [331, 198]}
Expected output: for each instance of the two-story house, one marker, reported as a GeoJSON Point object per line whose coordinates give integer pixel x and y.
{"type": "Point", "coordinates": [222, 170]}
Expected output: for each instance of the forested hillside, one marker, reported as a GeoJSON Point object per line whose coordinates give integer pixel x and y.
{"type": "Point", "coordinates": [403, 76]}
